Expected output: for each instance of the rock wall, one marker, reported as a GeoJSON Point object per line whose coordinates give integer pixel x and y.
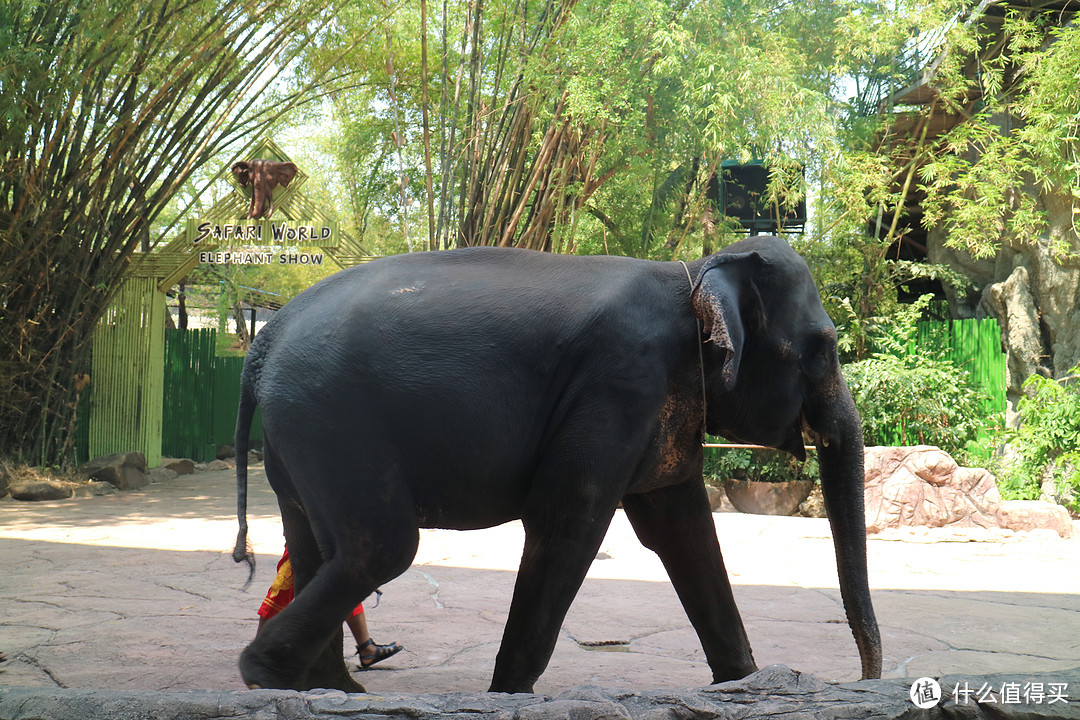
{"type": "Point", "coordinates": [922, 486]}
{"type": "Point", "coordinates": [774, 692]}
{"type": "Point", "coordinates": [1032, 286]}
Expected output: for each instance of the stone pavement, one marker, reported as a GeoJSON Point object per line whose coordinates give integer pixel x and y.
{"type": "Point", "coordinates": [138, 592]}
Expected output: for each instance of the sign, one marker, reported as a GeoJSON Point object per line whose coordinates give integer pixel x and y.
{"type": "Point", "coordinates": [255, 256]}
{"type": "Point", "coordinates": [271, 234]}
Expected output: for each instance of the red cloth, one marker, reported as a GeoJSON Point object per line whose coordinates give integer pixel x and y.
{"type": "Point", "coordinates": [281, 591]}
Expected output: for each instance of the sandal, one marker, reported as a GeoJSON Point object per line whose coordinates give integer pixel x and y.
{"type": "Point", "coordinates": [381, 653]}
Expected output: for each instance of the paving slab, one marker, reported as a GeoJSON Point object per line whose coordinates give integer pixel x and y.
{"type": "Point", "coordinates": [137, 591]}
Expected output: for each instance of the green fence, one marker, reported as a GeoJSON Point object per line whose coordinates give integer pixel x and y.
{"type": "Point", "coordinates": [125, 387]}
{"type": "Point", "coordinates": [201, 394]}
{"type": "Point", "coordinates": [974, 345]}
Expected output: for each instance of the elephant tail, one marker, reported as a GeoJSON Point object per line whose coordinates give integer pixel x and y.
{"type": "Point", "coordinates": [242, 552]}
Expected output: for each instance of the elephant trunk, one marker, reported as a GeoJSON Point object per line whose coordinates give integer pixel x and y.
{"type": "Point", "coordinates": [262, 191]}
{"type": "Point", "coordinates": [840, 456]}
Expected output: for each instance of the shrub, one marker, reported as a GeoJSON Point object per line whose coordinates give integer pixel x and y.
{"type": "Point", "coordinates": [756, 464]}
{"type": "Point", "coordinates": [915, 399]}
{"type": "Point", "coordinates": [910, 395]}
{"type": "Point", "coordinates": [1047, 441]}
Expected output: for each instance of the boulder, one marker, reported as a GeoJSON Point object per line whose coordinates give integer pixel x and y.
{"type": "Point", "coordinates": [5, 480]}
{"type": "Point", "coordinates": [92, 488]}
{"type": "Point", "coordinates": [716, 497]}
{"type": "Point", "coordinates": [767, 498]}
{"type": "Point", "coordinates": [125, 471]}
{"type": "Point", "coordinates": [225, 452]}
{"type": "Point", "coordinates": [180, 466]}
{"type": "Point", "coordinates": [923, 485]}
{"type": "Point", "coordinates": [1036, 515]}
{"type": "Point", "coordinates": [40, 489]}
{"type": "Point", "coordinates": [814, 505]}
{"type": "Point", "coordinates": [161, 474]}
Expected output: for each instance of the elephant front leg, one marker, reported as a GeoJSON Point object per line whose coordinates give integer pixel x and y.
{"type": "Point", "coordinates": [676, 523]}
{"type": "Point", "coordinates": [558, 552]}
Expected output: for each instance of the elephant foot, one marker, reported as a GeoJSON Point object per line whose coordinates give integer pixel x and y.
{"type": "Point", "coordinates": [329, 670]}
{"type": "Point", "coordinates": [259, 672]}
{"type": "Point", "coordinates": [737, 673]}
{"type": "Point", "coordinates": [351, 686]}
{"type": "Point", "coordinates": [502, 684]}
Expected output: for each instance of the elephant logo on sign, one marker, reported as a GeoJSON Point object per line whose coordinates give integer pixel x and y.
{"type": "Point", "coordinates": [263, 176]}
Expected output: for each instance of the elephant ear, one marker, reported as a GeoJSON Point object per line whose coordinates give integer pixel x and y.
{"type": "Point", "coordinates": [242, 172]}
{"type": "Point", "coordinates": [284, 173]}
{"type": "Point", "coordinates": [725, 299]}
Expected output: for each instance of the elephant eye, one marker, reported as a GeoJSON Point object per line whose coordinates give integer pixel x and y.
{"type": "Point", "coordinates": [816, 364]}
{"type": "Point", "coordinates": [817, 359]}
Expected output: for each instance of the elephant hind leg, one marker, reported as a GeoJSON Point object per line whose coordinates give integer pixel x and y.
{"type": "Point", "coordinates": [328, 670]}
{"type": "Point", "coordinates": [293, 642]}
{"type": "Point", "coordinates": [340, 555]}
{"type": "Point", "coordinates": [301, 647]}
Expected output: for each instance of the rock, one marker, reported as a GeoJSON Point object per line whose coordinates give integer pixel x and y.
{"type": "Point", "coordinates": [716, 497]}
{"type": "Point", "coordinates": [126, 471]}
{"type": "Point", "coordinates": [5, 480]}
{"type": "Point", "coordinates": [254, 456]}
{"type": "Point", "coordinates": [923, 485]}
{"type": "Point", "coordinates": [773, 692]}
{"type": "Point", "coordinates": [93, 488]}
{"type": "Point", "coordinates": [1036, 514]}
{"type": "Point", "coordinates": [767, 498]}
{"type": "Point", "coordinates": [1014, 305]}
{"type": "Point", "coordinates": [162, 474]}
{"type": "Point", "coordinates": [180, 466]}
{"type": "Point", "coordinates": [218, 465]}
{"type": "Point", "coordinates": [36, 490]}
{"type": "Point", "coordinates": [814, 505]}
{"type": "Point", "coordinates": [225, 452]}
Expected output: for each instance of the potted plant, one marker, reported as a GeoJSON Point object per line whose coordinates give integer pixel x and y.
{"type": "Point", "coordinates": [761, 481]}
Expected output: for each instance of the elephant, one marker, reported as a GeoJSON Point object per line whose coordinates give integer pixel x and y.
{"type": "Point", "coordinates": [263, 176]}
{"type": "Point", "coordinates": [465, 388]}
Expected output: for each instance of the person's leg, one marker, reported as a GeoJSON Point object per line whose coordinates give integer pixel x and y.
{"type": "Point", "coordinates": [357, 624]}
{"type": "Point", "coordinates": [369, 652]}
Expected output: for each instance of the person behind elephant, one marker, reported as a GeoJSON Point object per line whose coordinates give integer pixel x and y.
{"type": "Point", "coordinates": [280, 595]}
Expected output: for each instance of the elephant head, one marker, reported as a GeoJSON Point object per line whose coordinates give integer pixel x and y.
{"type": "Point", "coordinates": [263, 176]}
{"type": "Point", "coordinates": [771, 373]}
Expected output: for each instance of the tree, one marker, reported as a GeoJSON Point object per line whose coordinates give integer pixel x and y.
{"type": "Point", "coordinates": [571, 125]}
{"type": "Point", "coordinates": [985, 148]}
{"type": "Point", "coordinates": [109, 108]}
